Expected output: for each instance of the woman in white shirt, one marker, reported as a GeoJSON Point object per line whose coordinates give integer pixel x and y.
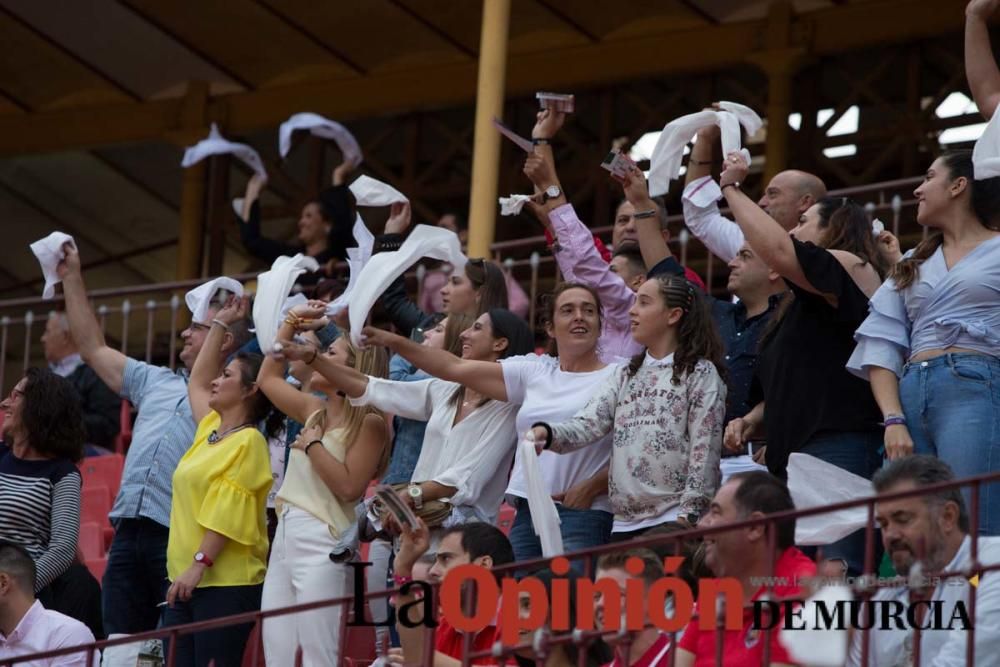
{"type": "Point", "coordinates": [547, 388]}
{"type": "Point", "coordinates": [469, 436]}
{"type": "Point", "coordinates": [339, 451]}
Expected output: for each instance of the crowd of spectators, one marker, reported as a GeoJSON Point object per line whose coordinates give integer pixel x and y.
{"type": "Point", "coordinates": [656, 408]}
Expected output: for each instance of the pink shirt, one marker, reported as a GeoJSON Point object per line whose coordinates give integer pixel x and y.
{"type": "Point", "coordinates": [42, 630]}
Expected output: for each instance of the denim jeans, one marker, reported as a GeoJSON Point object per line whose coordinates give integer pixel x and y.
{"type": "Point", "coordinates": [135, 580]}
{"type": "Point", "coordinates": [223, 645]}
{"type": "Point", "coordinates": [952, 408]}
{"type": "Point", "coordinates": [581, 529]}
{"type": "Point", "coordinates": [859, 452]}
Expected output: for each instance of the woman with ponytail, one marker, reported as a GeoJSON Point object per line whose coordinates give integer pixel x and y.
{"type": "Point", "coordinates": [930, 344]}
{"type": "Point", "coordinates": [665, 410]}
{"type": "Point", "coordinates": [806, 401]}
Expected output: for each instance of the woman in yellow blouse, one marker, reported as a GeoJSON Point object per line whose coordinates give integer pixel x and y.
{"type": "Point", "coordinates": [217, 550]}
{"type": "Point", "coordinates": [340, 450]}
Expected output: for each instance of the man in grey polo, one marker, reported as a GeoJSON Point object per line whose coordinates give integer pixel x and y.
{"type": "Point", "coordinates": [135, 581]}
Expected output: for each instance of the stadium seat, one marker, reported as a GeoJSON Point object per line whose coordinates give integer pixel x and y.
{"type": "Point", "coordinates": [91, 541]}
{"type": "Point", "coordinates": [103, 471]}
{"type": "Point", "coordinates": [95, 505]}
{"type": "Point", "coordinates": [97, 567]}
{"type": "Point", "coordinates": [359, 645]}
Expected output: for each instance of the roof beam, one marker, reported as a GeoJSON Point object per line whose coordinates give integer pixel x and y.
{"type": "Point", "coordinates": [712, 48]}
{"type": "Point", "coordinates": [310, 36]}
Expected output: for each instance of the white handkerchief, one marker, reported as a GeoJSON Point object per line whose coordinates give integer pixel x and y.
{"type": "Point", "coordinates": [383, 268]}
{"type": "Point", "coordinates": [815, 483]}
{"type": "Point", "coordinates": [513, 204]}
{"type": "Point", "coordinates": [49, 252]}
{"type": "Point", "coordinates": [815, 645]}
{"type": "Point", "coordinates": [238, 207]}
{"type": "Point", "coordinates": [321, 127]}
{"type": "Point", "coordinates": [986, 152]}
{"type": "Point", "coordinates": [368, 191]}
{"type": "Point", "coordinates": [544, 515]}
{"type": "Point", "coordinates": [356, 260]}
{"type": "Point", "coordinates": [199, 299]}
{"type": "Point", "coordinates": [216, 144]}
{"type": "Point", "coordinates": [665, 164]}
{"type": "Point", "coordinates": [272, 292]}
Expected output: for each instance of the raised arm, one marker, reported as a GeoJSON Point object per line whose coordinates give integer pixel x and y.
{"type": "Point", "coordinates": [700, 163]}
{"type": "Point", "coordinates": [720, 235]}
{"type": "Point", "coordinates": [249, 224]}
{"type": "Point", "coordinates": [254, 186]}
{"type": "Point", "coordinates": [348, 380]}
{"type": "Point", "coordinates": [653, 246]}
{"type": "Point", "coordinates": [271, 379]}
{"type": "Point", "coordinates": [980, 65]}
{"type": "Point", "coordinates": [206, 366]}
{"type": "Point", "coordinates": [484, 377]}
{"type": "Point", "coordinates": [347, 479]}
{"type": "Point", "coordinates": [109, 364]}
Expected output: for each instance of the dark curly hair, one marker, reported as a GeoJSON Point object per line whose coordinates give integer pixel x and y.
{"type": "Point", "coordinates": [51, 415]}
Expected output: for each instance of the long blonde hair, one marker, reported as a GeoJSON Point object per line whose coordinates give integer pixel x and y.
{"type": "Point", "coordinates": [373, 362]}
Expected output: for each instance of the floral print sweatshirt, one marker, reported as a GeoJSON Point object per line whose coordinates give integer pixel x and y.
{"type": "Point", "coordinates": [667, 438]}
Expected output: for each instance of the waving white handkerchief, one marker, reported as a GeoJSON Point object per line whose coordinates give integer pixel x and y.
{"type": "Point", "coordinates": [814, 483]}
{"type": "Point", "coordinates": [385, 267]}
{"type": "Point", "coordinates": [513, 204]}
{"type": "Point", "coordinates": [356, 260]}
{"type": "Point", "coordinates": [272, 292]}
{"type": "Point", "coordinates": [199, 299]}
{"type": "Point", "coordinates": [665, 163]}
{"type": "Point", "coordinates": [818, 645]}
{"type": "Point", "coordinates": [368, 191]}
{"type": "Point", "coordinates": [544, 515]}
{"type": "Point", "coordinates": [986, 152]}
{"type": "Point", "coordinates": [321, 127]}
{"type": "Point", "coordinates": [216, 144]}
{"type": "Point", "coordinates": [49, 252]}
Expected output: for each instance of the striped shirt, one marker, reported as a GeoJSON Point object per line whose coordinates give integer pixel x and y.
{"type": "Point", "coordinates": [40, 510]}
{"type": "Point", "coordinates": [163, 432]}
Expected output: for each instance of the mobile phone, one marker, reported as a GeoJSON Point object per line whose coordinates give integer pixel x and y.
{"type": "Point", "coordinates": [556, 101]}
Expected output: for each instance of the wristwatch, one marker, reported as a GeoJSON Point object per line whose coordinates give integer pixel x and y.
{"type": "Point", "coordinates": [202, 557]}
{"type": "Point", "coordinates": [417, 494]}
{"type": "Point", "coordinates": [551, 192]}
{"type": "Point", "coordinates": [692, 519]}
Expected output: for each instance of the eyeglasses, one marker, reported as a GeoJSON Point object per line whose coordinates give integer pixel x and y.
{"type": "Point", "coordinates": [198, 326]}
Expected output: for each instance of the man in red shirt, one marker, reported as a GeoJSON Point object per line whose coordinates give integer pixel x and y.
{"type": "Point", "coordinates": [650, 647]}
{"type": "Point", "coordinates": [743, 554]}
{"type": "Point", "coordinates": [471, 543]}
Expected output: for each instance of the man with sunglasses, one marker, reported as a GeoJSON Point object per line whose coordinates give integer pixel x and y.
{"type": "Point", "coordinates": [135, 581]}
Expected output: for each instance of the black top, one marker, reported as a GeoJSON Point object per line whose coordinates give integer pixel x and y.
{"type": "Point", "coordinates": [101, 407]}
{"type": "Point", "coordinates": [337, 207]}
{"type": "Point", "coordinates": [801, 372]}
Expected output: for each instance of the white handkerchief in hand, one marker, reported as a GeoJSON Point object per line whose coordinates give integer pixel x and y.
{"type": "Point", "coordinates": [513, 204]}
{"type": "Point", "coordinates": [49, 252]}
{"type": "Point", "coordinates": [321, 127]}
{"type": "Point", "coordinates": [385, 267]}
{"type": "Point", "coordinates": [986, 152]}
{"type": "Point", "coordinates": [356, 260]}
{"type": "Point", "coordinates": [814, 483]}
{"type": "Point", "coordinates": [199, 300]}
{"type": "Point", "coordinates": [544, 515]}
{"type": "Point", "coordinates": [368, 191]}
{"type": "Point", "coordinates": [665, 163]}
{"type": "Point", "coordinates": [216, 144]}
{"type": "Point", "coordinates": [272, 292]}
{"type": "Point", "coordinates": [815, 645]}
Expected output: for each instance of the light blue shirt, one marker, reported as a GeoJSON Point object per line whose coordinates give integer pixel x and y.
{"type": "Point", "coordinates": [163, 432]}
{"type": "Point", "coordinates": [942, 308]}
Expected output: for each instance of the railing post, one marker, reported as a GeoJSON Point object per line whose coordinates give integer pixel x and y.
{"type": "Point", "coordinates": [175, 303]}
{"type": "Point", "coordinates": [29, 317]}
{"type": "Point", "coordinates": [4, 325]}
{"type": "Point", "coordinates": [150, 312]}
{"type": "Point", "coordinates": [533, 289]}
{"type": "Point", "coordinates": [126, 309]}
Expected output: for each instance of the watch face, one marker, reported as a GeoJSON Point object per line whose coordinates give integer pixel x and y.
{"type": "Point", "coordinates": [553, 191]}
{"type": "Point", "coordinates": [415, 491]}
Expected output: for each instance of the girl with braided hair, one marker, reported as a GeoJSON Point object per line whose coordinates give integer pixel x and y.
{"type": "Point", "coordinates": [665, 410]}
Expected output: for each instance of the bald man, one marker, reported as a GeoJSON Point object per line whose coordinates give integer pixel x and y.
{"type": "Point", "coordinates": [788, 195]}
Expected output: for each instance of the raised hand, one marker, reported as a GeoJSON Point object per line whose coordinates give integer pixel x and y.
{"type": "Point", "coordinates": [374, 337]}
{"type": "Point", "coordinates": [290, 350]}
{"type": "Point", "coordinates": [547, 124]}
{"type": "Point", "coordinates": [399, 218]}
{"type": "Point", "coordinates": [234, 310]}
{"type": "Point", "coordinates": [635, 188]}
{"type": "Point", "coordinates": [540, 171]}
{"type": "Point", "coordinates": [888, 247]}
{"type": "Point", "coordinates": [981, 9]}
{"type": "Point", "coordinates": [734, 169]}
{"type": "Point", "coordinates": [70, 263]}
{"type": "Point", "coordinates": [342, 171]}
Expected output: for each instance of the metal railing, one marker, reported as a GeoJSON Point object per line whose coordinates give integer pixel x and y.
{"type": "Point", "coordinates": [144, 320]}
{"type": "Point", "coordinates": [543, 641]}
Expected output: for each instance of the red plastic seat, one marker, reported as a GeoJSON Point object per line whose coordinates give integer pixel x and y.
{"type": "Point", "coordinates": [103, 471]}
{"type": "Point", "coordinates": [97, 567]}
{"type": "Point", "coordinates": [359, 645]}
{"type": "Point", "coordinates": [91, 541]}
{"type": "Point", "coordinates": [95, 505]}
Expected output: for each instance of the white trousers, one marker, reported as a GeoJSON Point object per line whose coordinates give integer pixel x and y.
{"type": "Point", "coordinates": [300, 571]}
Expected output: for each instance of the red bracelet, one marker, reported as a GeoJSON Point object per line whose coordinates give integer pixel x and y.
{"type": "Point", "coordinates": [399, 581]}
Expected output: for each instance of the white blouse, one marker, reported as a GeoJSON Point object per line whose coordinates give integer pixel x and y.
{"type": "Point", "coordinates": [474, 456]}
